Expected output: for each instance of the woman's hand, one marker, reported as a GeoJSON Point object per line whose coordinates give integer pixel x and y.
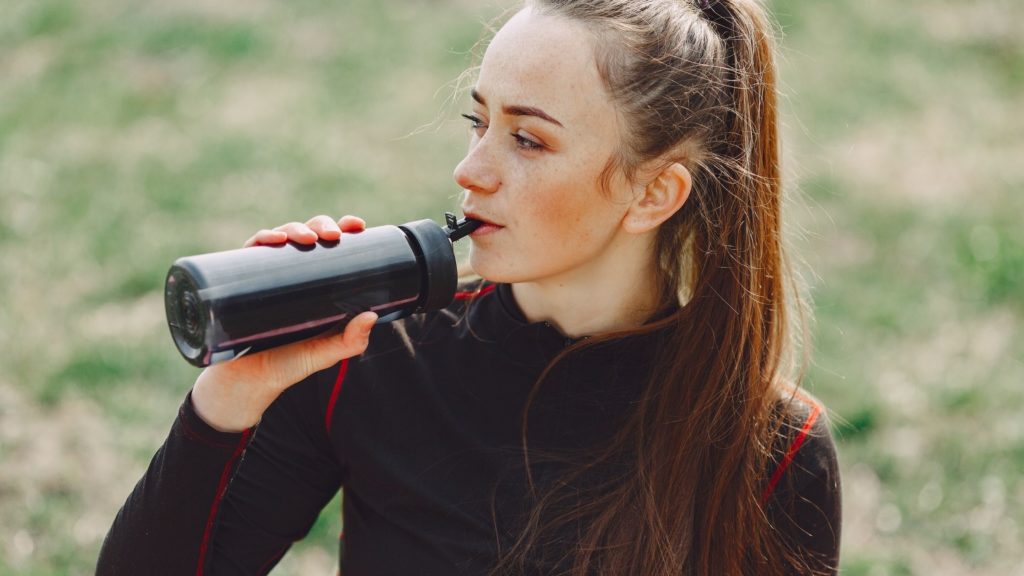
{"type": "Point", "coordinates": [232, 396]}
{"type": "Point", "coordinates": [316, 228]}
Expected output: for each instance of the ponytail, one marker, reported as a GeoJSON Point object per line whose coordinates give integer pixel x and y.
{"type": "Point", "coordinates": [694, 82]}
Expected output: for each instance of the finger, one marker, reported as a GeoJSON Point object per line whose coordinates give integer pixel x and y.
{"type": "Point", "coordinates": [349, 223]}
{"type": "Point", "coordinates": [324, 227]}
{"type": "Point", "coordinates": [298, 232]}
{"type": "Point", "coordinates": [266, 237]}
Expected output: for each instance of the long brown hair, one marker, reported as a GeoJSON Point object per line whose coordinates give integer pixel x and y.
{"type": "Point", "coordinates": [694, 82]}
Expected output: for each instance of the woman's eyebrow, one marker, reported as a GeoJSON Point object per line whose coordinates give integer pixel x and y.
{"type": "Point", "coordinates": [517, 110]}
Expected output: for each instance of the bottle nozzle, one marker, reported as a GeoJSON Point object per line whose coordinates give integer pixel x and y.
{"type": "Point", "coordinates": [459, 228]}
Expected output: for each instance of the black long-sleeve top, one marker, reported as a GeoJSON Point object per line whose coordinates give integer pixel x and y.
{"type": "Point", "coordinates": [422, 432]}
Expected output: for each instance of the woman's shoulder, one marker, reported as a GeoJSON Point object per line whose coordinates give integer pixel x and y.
{"type": "Point", "coordinates": [803, 493]}
{"type": "Point", "coordinates": [803, 449]}
{"type": "Point", "coordinates": [469, 289]}
{"type": "Point", "coordinates": [469, 292]}
{"type": "Point", "coordinates": [408, 333]}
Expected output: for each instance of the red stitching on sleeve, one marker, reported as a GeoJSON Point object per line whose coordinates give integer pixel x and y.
{"type": "Point", "coordinates": [222, 487]}
{"type": "Point", "coordinates": [474, 293]}
{"type": "Point", "coordinates": [334, 394]}
{"type": "Point", "coordinates": [791, 453]}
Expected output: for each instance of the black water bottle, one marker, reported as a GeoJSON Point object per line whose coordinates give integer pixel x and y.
{"type": "Point", "coordinates": [225, 304]}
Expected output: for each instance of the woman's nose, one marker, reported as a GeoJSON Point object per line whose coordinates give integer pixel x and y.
{"type": "Point", "coordinates": [477, 171]}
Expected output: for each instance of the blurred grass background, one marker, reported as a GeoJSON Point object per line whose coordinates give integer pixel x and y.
{"type": "Point", "coordinates": [132, 133]}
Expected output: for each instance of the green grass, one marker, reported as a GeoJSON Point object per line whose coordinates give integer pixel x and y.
{"type": "Point", "coordinates": [135, 133]}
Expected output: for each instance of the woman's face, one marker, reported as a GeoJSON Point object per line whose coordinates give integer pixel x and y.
{"type": "Point", "coordinates": [543, 131]}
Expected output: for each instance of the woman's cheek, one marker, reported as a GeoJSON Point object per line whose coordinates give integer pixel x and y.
{"type": "Point", "coordinates": [566, 208]}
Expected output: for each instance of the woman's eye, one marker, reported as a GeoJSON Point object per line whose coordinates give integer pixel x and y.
{"type": "Point", "coordinates": [522, 142]}
{"type": "Point", "coordinates": [525, 143]}
{"type": "Point", "coordinates": [475, 122]}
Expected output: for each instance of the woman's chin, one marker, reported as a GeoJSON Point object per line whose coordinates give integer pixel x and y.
{"type": "Point", "coordinates": [489, 269]}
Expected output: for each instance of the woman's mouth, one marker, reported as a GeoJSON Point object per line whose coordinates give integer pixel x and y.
{"type": "Point", "coordinates": [485, 229]}
{"type": "Point", "coordinates": [486, 226]}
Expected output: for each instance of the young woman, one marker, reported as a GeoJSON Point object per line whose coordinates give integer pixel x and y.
{"type": "Point", "coordinates": [613, 397]}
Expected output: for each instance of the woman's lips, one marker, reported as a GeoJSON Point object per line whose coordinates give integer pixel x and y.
{"type": "Point", "coordinates": [486, 226]}
{"type": "Point", "coordinates": [485, 229]}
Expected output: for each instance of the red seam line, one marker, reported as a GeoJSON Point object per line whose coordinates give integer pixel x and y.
{"type": "Point", "coordinates": [474, 293]}
{"type": "Point", "coordinates": [791, 453]}
{"type": "Point", "coordinates": [334, 394]}
{"type": "Point", "coordinates": [225, 475]}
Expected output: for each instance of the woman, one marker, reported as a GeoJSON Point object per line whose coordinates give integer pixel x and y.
{"type": "Point", "coordinates": [613, 397]}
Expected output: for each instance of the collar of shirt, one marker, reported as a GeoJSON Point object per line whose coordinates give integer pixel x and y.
{"type": "Point", "coordinates": [495, 316]}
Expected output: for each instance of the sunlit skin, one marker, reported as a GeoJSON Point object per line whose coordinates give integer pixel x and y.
{"type": "Point", "coordinates": [578, 256]}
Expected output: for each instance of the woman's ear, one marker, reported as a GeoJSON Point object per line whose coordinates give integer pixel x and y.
{"type": "Point", "coordinates": [663, 196]}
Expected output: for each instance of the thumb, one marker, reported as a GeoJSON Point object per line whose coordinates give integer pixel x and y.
{"type": "Point", "coordinates": [300, 359]}
{"type": "Point", "coordinates": [325, 352]}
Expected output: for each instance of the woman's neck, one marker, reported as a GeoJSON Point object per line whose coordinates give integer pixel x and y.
{"type": "Point", "coordinates": [616, 292]}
